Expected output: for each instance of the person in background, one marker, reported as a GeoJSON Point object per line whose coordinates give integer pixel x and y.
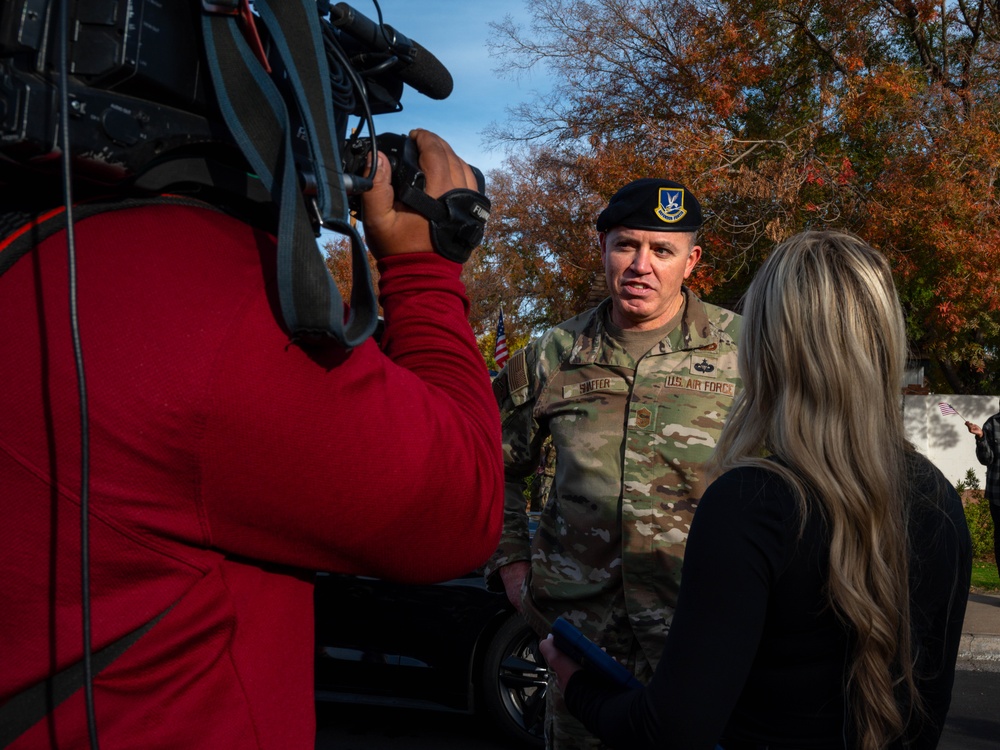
{"type": "Point", "coordinates": [828, 565]}
{"type": "Point", "coordinates": [988, 454]}
{"type": "Point", "coordinates": [633, 394]}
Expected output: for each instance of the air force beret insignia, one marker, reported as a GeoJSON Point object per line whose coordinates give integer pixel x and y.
{"type": "Point", "coordinates": [671, 205]}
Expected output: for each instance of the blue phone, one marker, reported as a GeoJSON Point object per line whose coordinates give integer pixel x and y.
{"type": "Point", "coordinates": [581, 649]}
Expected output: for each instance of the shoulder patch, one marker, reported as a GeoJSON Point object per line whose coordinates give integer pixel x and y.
{"type": "Point", "coordinates": [513, 377]}
{"type": "Point", "coordinates": [517, 371]}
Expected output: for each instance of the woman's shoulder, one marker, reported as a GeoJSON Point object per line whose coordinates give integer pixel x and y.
{"type": "Point", "coordinates": [927, 483]}
{"type": "Point", "coordinates": [917, 464]}
{"type": "Point", "coordinates": [751, 488]}
{"type": "Point", "coordinates": [750, 508]}
{"type": "Point", "coordinates": [753, 479]}
{"type": "Point", "coordinates": [931, 496]}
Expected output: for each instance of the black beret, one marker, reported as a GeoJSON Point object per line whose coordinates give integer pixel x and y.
{"type": "Point", "coordinates": [656, 205]}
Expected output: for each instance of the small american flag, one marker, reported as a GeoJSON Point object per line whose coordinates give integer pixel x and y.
{"type": "Point", "coordinates": [500, 349]}
{"type": "Point", "coordinates": [948, 409]}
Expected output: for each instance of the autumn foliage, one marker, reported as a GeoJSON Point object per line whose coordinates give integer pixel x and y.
{"type": "Point", "coordinates": [880, 117]}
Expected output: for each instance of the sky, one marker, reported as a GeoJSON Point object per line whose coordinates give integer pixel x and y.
{"type": "Point", "coordinates": [456, 33]}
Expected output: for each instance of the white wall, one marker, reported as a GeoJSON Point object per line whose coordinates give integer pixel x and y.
{"type": "Point", "coordinates": [945, 440]}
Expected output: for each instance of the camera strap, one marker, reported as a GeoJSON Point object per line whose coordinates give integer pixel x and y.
{"type": "Point", "coordinates": [23, 230]}
{"type": "Point", "coordinates": [25, 709]}
{"type": "Point", "coordinates": [458, 219]}
{"type": "Point", "coordinates": [255, 112]}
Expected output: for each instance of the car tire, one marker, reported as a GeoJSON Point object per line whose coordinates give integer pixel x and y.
{"type": "Point", "coordinates": [514, 680]}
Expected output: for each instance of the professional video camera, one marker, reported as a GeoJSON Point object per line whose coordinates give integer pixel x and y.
{"type": "Point", "coordinates": [140, 95]}
{"type": "Point", "coordinates": [214, 99]}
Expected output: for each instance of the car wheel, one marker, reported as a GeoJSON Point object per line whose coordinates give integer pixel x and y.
{"type": "Point", "coordinates": [514, 681]}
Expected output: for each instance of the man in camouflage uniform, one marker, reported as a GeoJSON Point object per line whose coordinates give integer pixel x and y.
{"type": "Point", "coordinates": [633, 393]}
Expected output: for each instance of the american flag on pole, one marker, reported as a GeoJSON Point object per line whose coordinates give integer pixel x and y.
{"type": "Point", "coordinates": [500, 349]}
{"type": "Point", "coordinates": [948, 409]}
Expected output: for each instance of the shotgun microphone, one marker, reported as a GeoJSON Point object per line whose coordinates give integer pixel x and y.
{"type": "Point", "coordinates": [416, 66]}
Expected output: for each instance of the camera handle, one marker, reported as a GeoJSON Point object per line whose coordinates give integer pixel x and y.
{"type": "Point", "coordinates": [458, 218]}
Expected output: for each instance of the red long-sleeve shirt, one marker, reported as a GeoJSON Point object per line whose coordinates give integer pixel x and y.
{"type": "Point", "coordinates": [226, 464]}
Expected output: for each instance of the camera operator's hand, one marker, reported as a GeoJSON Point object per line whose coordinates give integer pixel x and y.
{"type": "Point", "coordinates": [390, 227]}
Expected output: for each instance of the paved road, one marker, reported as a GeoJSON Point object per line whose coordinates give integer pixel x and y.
{"type": "Point", "coordinates": [973, 724]}
{"type": "Point", "coordinates": [369, 728]}
{"type": "Point", "coordinates": [974, 721]}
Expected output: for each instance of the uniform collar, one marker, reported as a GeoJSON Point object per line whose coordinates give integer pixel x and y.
{"type": "Point", "coordinates": [595, 344]}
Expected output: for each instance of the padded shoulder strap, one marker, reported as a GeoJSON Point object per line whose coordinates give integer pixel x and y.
{"type": "Point", "coordinates": [255, 113]}
{"type": "Point", "coordinates": [30, 706]}
{"type": "Point", "coordinates": [20, 231]}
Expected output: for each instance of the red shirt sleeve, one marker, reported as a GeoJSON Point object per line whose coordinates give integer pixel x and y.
{"type": "Point", "coordinates": [377, 461]}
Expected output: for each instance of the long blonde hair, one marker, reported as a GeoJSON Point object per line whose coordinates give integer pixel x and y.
{"type": "Point", "coordinates": [821, 352]}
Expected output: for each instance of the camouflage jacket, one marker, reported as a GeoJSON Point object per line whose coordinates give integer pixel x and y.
{"type": "Point", "coordinates": [630, 438]}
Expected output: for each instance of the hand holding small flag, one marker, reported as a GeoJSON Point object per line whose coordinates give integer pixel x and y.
{"type": "Point", "coordinates": [948, 409]}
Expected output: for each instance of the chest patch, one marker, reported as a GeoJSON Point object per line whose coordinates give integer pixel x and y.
{"type": "Point", "coordinates": [608, 385]}
{"type": "Point", "coordinates": [704, 367]}
{"type": "Point", "coordinates": [702, 385]}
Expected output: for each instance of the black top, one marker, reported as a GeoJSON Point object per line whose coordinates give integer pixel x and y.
{"type": "Point", "coordinates": [988, 454]}
{"type": "Point", "coordinates": [755, 656]}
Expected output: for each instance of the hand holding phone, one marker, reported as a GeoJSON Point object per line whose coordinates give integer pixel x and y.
{"type": "Point", "coordinates": [581, 649]}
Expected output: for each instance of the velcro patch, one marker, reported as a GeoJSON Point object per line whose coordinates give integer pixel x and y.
{"type": "Point", "coordinates": [608, 385]}
{"type": "Point", "coordinates": [517, 371]}
{"type": "Point", "coordinates": [702, 385]}
{"type": "Point", "coordinates": [706, 367]}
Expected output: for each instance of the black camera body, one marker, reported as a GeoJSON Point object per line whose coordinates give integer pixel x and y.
{"type": "Point", "coordinates": [143, 113]}
{"type": "Point", "coordinates": [137, 87]}
{"type": "Point", "coordinates": [403, 161]}
{"type": "Point", "coordinates": [245, 108]}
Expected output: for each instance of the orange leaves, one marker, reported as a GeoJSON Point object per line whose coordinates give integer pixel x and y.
{"type": "Point", "coordinates": [879, 117]}
{"type": "Point", "coordinates": [811, 176]}
{"type": "Point", "coordinates": [846, 173]}
{"type": "Point", "coordinates": [724, 102]}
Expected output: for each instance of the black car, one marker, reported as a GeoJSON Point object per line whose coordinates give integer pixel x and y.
{"type": "Point", "coordinates": [450, 646]}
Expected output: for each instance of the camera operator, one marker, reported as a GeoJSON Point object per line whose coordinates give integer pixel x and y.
{"type": "Point", "coordinates": [226, 464]}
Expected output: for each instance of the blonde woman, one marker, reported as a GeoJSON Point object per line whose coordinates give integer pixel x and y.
{"type": "Point", "coordinates": [827, 568]}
